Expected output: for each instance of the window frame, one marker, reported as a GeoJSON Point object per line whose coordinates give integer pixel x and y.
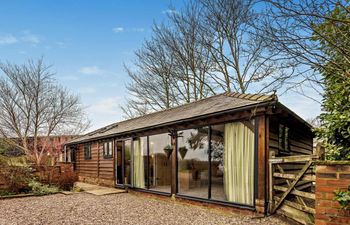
{"type": "Point", "coordinates": [210, 199]}
{"type": "Point", "coordinates": [107, 150]}
{"type": "Point", "coordinates": [284, 139]}
{"type": "Point", "coordinates": [87, 156]}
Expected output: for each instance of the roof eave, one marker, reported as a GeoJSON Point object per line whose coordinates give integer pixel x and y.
{"type": "Point", "coordinates": [259, 104]}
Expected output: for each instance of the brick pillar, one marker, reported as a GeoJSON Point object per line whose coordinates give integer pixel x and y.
{"type": "Point", "coordinates": [330, 178]}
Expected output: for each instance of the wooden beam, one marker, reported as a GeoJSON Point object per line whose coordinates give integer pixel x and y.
{"type": "Point", "coordinates": [294, 158]}
{"type": "Point", "coordinates": [297, 206]}
{"type": "Point", "coordinates": [296, 214]}
{"type": "Point", "coordinates": [296, 192]}
{"type": "Point", "coordinates": [293, 176]}
{"type": "Point", "coordinates": [262, 158]}
{"type": "Point", "coordinates": [174, 164]}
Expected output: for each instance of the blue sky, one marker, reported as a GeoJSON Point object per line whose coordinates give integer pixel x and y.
{"type": "Point", "coordinates": [87, 43]}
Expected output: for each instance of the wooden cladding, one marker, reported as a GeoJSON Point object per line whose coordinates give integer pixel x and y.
{"type": "Point", "coordinates": [97, 165]}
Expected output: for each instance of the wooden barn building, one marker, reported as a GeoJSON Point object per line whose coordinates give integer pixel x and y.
{"type": "Point", "coordinates": [214, 150]}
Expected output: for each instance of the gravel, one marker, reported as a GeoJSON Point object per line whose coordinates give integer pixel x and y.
{"type": "Point", "coordinates": [83, 208]}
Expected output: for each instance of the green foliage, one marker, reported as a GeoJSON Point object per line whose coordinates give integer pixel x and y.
{"type": "Point", "coordinates": [77, 189]}
{"type": "Point", "coordinates": [343, 197]}
{"type": "Point", "coordinates": [6, 193]}
{"type": "Point", "coordinates": [42, 189]}
{"type": "Point", "coordinates": [334, 131]}
{"type": "Point", "coordinates": [15, 173]}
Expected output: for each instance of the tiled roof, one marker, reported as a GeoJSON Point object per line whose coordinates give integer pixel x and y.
{"type": "Point", "coordinates": [214, 104]}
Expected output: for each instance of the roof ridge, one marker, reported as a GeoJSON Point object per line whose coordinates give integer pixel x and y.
{"type": "Point", "coordinates": [252, 97]}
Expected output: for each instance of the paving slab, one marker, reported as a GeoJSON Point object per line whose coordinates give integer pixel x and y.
{"type": "Point", "coordinates": [98, 190]}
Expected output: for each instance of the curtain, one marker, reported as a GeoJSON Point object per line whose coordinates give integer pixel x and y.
{"type": "Point", "coordinates": [239, 163]}
{"type": "Point", "coordinates": [139, 172]}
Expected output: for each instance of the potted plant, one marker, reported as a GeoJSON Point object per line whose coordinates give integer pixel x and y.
{"type": "Point", "coordinates": [168, 150]}
{"type": "Point", "coordinates": [183, 150]}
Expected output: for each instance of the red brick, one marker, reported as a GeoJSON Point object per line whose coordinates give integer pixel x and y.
{"type": "Point", "coordinates": [338, 183]}
{"type": "Point", "coordinates": [320, 195]}
{"type": "Point", "coordinates": [321, 216]}
{"type": "Point", "coordinates": [324, 203]}
{"type": "Point", "coordinates": [342, 220]}
{"type": "Point", "coordinates": [320, 222]}
{"type": "Point", "coordinates": [345, 176]}
{"type": "Point", "coordinates": [320, 209]}
{"type": "Point", "coordinates": [332, 211]}
{"type": "Point", "coordinates": [336, 205]}
{"type": "Point", "coordinates": [329, 196]}
{"type": "Point", "coordinates": [322, 182]}
{"type": "Point", "coordinates": [344, 169]}
{"type": "Point", "coordinates": [328, 189]}
{"type": "Point", "coordinates": [328, 175]}
{"type": "Point", "coordinates": [326, 169]}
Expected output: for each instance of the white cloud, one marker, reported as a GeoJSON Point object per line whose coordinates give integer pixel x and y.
{"type": "Point", "coordinates": [8, 39]}
{"type": "Point", "coordinates": [91, 70]}
{"type": "Point", "coordinates": [118, 29]}
{"type": "Point", "coordinates": [138, 29]}
{"type": "Point", "coordinates": [28, 37]}
{"type": "Point", "coordinates": [170, 11]}
{"type": "Point", "coordinates": [106, 106]}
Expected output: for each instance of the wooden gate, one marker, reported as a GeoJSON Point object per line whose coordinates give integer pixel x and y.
{"type": "Point", "coordinates": [292, 185]}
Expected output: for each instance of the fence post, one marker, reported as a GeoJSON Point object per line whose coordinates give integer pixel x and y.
{"type": "Point", "coordinates": [271, 169]}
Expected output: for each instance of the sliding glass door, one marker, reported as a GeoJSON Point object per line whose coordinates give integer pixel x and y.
{"type": "Point", "coordinates": [223, 170]}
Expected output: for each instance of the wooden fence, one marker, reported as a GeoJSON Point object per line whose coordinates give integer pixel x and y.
{"type": "Point", "coordinates": [292, 187]}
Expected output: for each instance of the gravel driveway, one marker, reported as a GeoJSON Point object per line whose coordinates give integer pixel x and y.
{"type": "Point", "coordinates": [83, 208]}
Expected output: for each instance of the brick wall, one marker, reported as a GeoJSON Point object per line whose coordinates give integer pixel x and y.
{"type": "Point", "coordinates": [330, 178]}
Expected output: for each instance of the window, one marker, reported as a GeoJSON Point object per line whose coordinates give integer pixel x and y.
{"type": "Point", "coordinates": [127, 162]}
{"type": "Point", "coordinates": [140, 162]}
{"type": "Point", "coordinates": [232, 162]}
{"type": "Point", "coordinates": [283, 138]}
{"type": "Point", "coordinates": [87, 151]}
{"type": "Point", "coordinates": [227, 173]}
{"type": "Point", "coordinates": [160, 151]}
{"type": "Point", "coordinates": [108, 149]}
{"type": "Point", "coordinates": [193, 162]}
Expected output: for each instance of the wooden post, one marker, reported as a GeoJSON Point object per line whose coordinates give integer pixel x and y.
{"type": "Point", "coordinates": [174, 163]}
{"type": "Point", "coordinates": [271, 192]}
{"type": "Point", "coordinates": [261, 179]}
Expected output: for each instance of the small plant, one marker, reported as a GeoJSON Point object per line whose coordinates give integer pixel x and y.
{"type": "Point", "coordinates": [343, 197]}
{"type": "Point", "coordinates": [78, 189]}
{"type": "Point", "coordinates": [6, 193]}
{"type": "Point", "coordinates": [42, 189]}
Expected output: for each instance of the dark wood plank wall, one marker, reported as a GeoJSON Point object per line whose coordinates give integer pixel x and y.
{"type": "Point", "coordinates": [97, 166]}
{"type": "Point", "coordinates": [87, 167]}
{"type": "Point", "coordinates": [105, 165]}
{"type": "Point", "coordinates": [300, 137]}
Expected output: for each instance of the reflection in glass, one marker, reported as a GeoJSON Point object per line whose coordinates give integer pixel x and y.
{"type": "Point", "coordinates": [127, 162]}
{"type": "Point", "coordinates": [193, 162]}
{"type": "Point", "coordinates": [160, 150]}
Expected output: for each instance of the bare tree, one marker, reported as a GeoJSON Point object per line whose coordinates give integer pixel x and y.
{"type": "Point", "coordinates": [290, 29]}
{"type": "Point", "coordinates": [33, 106]}
{"type": "Point", "coordinates": [243, 60]}
{"type": "Point", "coordinates": [209, 46]}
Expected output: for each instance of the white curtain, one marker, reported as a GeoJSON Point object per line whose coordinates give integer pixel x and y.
{"type": "Point", "coordinates": [139, 172]}
{"type": "Point", "coordinates": [239, 163]}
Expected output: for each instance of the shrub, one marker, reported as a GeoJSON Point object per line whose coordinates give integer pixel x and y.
{"type": "Point", "coordinates": [42, 189]}
{"type": "Point", "coordinates": [343, 197]}
{"type": "Point", "coordinates": [66, 180]}
{"type": "Point", "coordinates": [15, 175]}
